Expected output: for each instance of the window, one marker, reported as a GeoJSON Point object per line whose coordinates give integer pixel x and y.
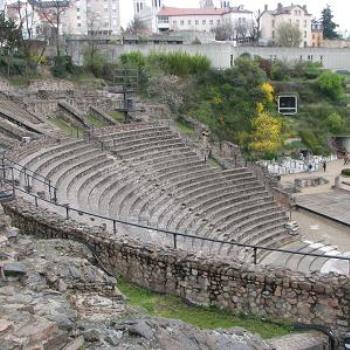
{"type": "Point", "coordinates": [204, 22]}
{"type": "Point", "coordinates": [196, 22]}
{"type": "Point", "coordinates": [321, 58]}
{"type": "Point", "coordinates": [79, 24]}
{"type": "Point", "coordinates": [182, 23]}
{"type": "Point", "coordinates": [305, 23]}
{"type": "Point", "coordinates": [273, 23]}
{"type": "Point", "coordinates": [174, 23]}
{"type": "Point", "coordinates": [78, 17]}
{"type": "Point", "coordinates": [298, 22]}
{"type": "Point", "coordinates": [305, 34]}
{"type": "Point", "coordinates": [211, 22]}
{"type": "Point", "coordinates": [218, 21]}
{"type": "Point", "coordinates": [273, 34]}
{"type": "Point", "coordinates": [189, 22]}
{"type": "Point", "coordinates": [310, 58]}
{"type": "Point", "coordinates": [78, 9]}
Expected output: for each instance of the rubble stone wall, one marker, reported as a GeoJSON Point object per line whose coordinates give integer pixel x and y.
{"type": "Point", "coordinates": [274, 293]}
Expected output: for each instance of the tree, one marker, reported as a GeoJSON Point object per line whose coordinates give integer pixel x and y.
{"type": "Point", "coordinates": [10, 39]}
{"type": "Point", "coordinates": [266, 137]}
{"type": "Point", "coordinates": [224, 31]}
{"type": "Point", "coordinates": [331, 84]}
{"type": "Point", "coordinates": [328, 25]}
{"type": "Point", "coordinates": [52, 12]}
{"type": "Point", "coordinates": [335, 123]}
{"type": "Point", "coordinates": [136, 26]}
{"type": "Point", "coordinates": [288, 35]}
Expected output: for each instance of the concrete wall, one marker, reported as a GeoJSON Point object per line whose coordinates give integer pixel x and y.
{"type": "Point", "coordinates": [222, 55]}
{"type": "Point", "coordinates": [275, 293]}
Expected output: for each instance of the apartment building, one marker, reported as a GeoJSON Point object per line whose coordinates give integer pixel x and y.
{"type": "Point", "coordinates": [93, 17]}
{"type": "Point", "coordinates": [79, 17]}
{"type": "Point", "coordinates": [146, 11]}
{"type": "Point", "coordinates": [294, 14]}
{"type": "Point", "coordinates": [203, 19]}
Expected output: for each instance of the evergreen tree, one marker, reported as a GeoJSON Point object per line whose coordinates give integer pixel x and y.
{"type": "Point", "coordinates": [328, 25]}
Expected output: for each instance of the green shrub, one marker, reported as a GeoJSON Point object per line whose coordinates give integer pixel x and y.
{"type": "Point", "coordinates": [280, 71]}
{"type": "Point", "coordinates": [94, 62]}
{"type": "Point", "coordinates": [179, 63]}
{"type": "Point", "coordinates": [133, 59]}
{"type": "Point", "coordinates": [331, 84]}
{"type": "Point", "coordinates": [62, 66]}
{"type": "Point", "coordinates": [346, 172]}
{"type": "Point", "coordinates": [336, 123]}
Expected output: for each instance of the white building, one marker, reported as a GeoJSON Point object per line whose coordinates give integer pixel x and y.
{"type": "Point", "coordinates": [294, 14]}
{"type": "Point", "coordinates": [96, 17]}
{"type": "Point", "coordinates": [203, 19]}
{"type": "Point", "coordinates": [146, 11]}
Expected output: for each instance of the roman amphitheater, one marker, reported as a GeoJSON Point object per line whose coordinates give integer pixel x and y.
{"type": "Point", "coordinates": [157, 211]}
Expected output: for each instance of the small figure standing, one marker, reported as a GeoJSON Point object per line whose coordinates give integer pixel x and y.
{"type": "Point", "coordinates": [310, 168]}
{"type": "Point", "coordinates": [324, 165]}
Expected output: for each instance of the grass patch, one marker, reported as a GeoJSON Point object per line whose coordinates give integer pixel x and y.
{"type": "Point", "coordinates": [184, 128]}
{"type": "Point", "coordinates": [67, 128]}
{"type": "Point", "coordinates": [96, 121]}
{"type": "Point", "coordinates": [117, 116]}
{"type": "Point", "coordinates": [159, 305]}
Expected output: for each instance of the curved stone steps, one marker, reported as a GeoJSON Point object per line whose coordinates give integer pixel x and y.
{"type": "Point", "coordinates": [151, 151]}
{"type": "Point", "coordinates": [26, 160]}
{"type": "Point", "coordinates": [49, 167]}
{"type": "Point", "coordinates": [120, 145]}
{"type": "Point", "coordinates": [106, 187]}
{"type": "Point", "coordinates": [150, 198]}
{"type": "Point", "coordinates": [131, 133]}
{"type": "Point", "coordinates": [40, 160]}
{"type": "Point", "coordinates": [317, 263]}
{"type": "Point", "coordinates": [293, 261]}
{"type": "Point", "coordinates": [212, 219]}
{"type": "Point", "coordinates": [83, 193]}
{"type": "Point", "coordinates": [175, 187]}
{"type": "Point", "coordinates": [305, 262]}
{"type": "Point", "coordinates": [268, 229]}
{"type": "Point", "coordinates": [191, 202]}
{"type": "Point", "coordinates": [245, 215]}
{"type": "Point", "coordinates": [61, 180]}
{"type": "Point", "coordinates": [75, 182]}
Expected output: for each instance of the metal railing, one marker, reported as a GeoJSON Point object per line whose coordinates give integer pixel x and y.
{"type": "Point", "coordinates": [28, 174]}
{"type": "Point", "coordinates": [174, 235]}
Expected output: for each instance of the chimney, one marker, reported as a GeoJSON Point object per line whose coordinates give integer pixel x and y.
{"type": "Point", "coordinates": [279, 6]}
{"type": "Point", "coordinates": [305, 8]}
{"type": "Point", "coordinates": [266, 7]}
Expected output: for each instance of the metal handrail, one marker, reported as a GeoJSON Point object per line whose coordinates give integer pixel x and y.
{"type": "Point", "coordinates": [175, 234]}
{"type": "Point", "coordinates": [25, 170]}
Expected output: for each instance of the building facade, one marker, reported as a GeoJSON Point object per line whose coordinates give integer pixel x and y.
{"type": "Point", "coordinates": [79, 17]}
{"type": "Point", "coordinates": [316, 33]}
{"type": "Point", "coordinates": [146, 11]}
{"type": "Point", "coordinates": [92, 17]}
{"type": "Point", "coordinates": [297, 15]}
{"type": "Point", "coordinates": [204, 19]}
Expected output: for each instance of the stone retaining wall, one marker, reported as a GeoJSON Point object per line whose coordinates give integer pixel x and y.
{"type": "Point", "coordinates": [279, 294]}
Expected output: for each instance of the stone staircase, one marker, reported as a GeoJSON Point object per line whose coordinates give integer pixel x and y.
{"type": "Point", "coordinates": [72, 114]}
{"type": "Point", "coordinates": [100, 114]}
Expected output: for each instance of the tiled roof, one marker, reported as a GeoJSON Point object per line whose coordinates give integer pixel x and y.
{"type": "Point", "coordinates": [175, 11]}
{"type": "Point", "coordinates": [286, 10]}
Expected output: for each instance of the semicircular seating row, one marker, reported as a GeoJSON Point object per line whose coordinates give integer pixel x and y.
{"type": "Point", "coordinates": [150, 176]}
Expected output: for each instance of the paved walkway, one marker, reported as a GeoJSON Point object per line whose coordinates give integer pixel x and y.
{"type": "Point", "coordinates": [333, 170]}
{"type": "Point", "coordinates": [325, 201]}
